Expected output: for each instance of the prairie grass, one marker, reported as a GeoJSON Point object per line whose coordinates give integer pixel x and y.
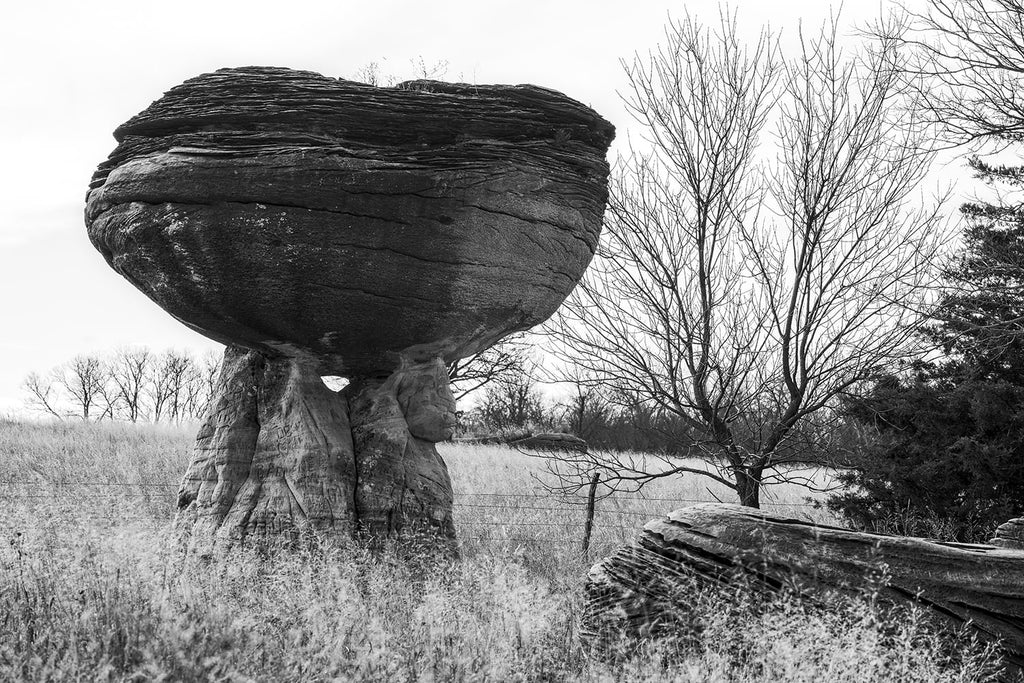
{"type": "Point", "coordinates": [93, 588]}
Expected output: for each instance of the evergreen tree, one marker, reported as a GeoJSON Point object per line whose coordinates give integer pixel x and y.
{"type": "Point", "coordinates": [950, 446]}
{"type": "Point", "coordinates": [948, 460]}
{"type": "Point", "coordinates": [980, 321]}
{"type": "Point", "coordinates": [950, 441]}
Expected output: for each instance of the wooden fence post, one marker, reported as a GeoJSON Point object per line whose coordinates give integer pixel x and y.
{"type": "Point", "coordinates": [588, 526]}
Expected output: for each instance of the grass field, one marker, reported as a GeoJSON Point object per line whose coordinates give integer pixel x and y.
{"type": "Point", "coordinates": [92, 586]}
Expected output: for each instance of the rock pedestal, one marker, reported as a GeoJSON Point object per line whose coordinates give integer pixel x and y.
{"type": "Point", "coordinates": [402, 482]}
{"type": "Point", "coordinates": [273, 456]}
{"type": "Point", "coordinates": [280, 454]}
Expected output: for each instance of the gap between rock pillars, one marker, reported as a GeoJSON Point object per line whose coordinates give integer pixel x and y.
{"type": "Point", "coordinates": [279, 454]}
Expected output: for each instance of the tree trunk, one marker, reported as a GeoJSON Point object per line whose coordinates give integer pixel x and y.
{"type": "Point", "coordinates": [748, 486]}
{"type": "Point", "coordinates": [641, 590]}
{"type": "Point", "coordinates": [277, 456]}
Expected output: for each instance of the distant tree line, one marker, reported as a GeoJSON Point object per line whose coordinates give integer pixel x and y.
{"type": "Point", "coordinates": [134, 384]}
{"type": "Point", "coordinates": [513, 402]}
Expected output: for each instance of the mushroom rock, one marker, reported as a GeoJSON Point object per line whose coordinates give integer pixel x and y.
{"type": "Point", "coordinates": [324, 227]}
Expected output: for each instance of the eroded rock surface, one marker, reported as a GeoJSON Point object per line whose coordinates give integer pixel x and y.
{"type": "Point", "coordinates": [290, 212]}
{"type": "Point", "coordinates": [273, 457]}
{"type": "Point", "coordinates": [1010, 534]}
{"type": "Point", "coordinates": [403, 484]}
{"type": "Point", "coordinates": [641, 591]}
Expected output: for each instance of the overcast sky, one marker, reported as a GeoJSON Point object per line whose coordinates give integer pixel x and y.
{"type": "Point", "coordinates": [72, 71]}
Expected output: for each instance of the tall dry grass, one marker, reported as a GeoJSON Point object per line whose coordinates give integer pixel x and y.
{"type": "Point", "coordinates": [92, 587]}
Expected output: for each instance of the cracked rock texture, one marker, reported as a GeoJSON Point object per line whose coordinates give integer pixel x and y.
{"type": "Point", "coordinates": [641, 591]}
{"type": "Point", "coordinates": [402, 480]}
{"type": "Point", "coordinates": [279, 453]}
{"type": "Point", "coordinates": [323, 227]}
{"type": "Point", "coordinates": [273, 456]}
{"type": "Point", "coordinates": [291, 212]}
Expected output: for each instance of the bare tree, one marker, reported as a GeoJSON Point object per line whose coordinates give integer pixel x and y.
{"type": "Point", "coordinates": [129, 369]}
{"type": "Point", "coordinates": [108, 397]}
{"type": "Point", "coordinates": [512, 401]}
{"type": "Point", "coordinates": [83, 379]}
{"type": "Point", "coordinates": [42, 394]}
{"type": "Point", "coordinates": [160, 384]}
{"type": "Point", "coordinates": [195, 392]}
{"type": "Point", "coordinates": [970, 54]}
{"type": "Point", "coordinates": [504, 360]}
{"type": "Point", "coordinates": [743, 325]}
{"type": "Point", "coordinates": [967, 63]}
{"type": "Point", "coordinates": [587, 410]}
{"type": "Point", "coordinates": [170, 385]}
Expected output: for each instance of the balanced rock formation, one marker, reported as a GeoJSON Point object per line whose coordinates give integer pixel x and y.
{"type": "Point", "coordinates": [639, 592]}
{"type": "Point", "coordinates": [324, 227]}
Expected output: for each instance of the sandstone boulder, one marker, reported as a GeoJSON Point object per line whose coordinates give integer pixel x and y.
{"type": "Point", "coordinates": [293, 213]}
{"type": "Point", "coordinates": [640, 591]}
{"type": "Point", "coordinates": [1010, 534]}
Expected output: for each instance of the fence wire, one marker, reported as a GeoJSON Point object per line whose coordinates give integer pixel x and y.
{"type": "Point", "coordinates": [617, 499]}
{"type": "Point", "coordinates": [618, 506]}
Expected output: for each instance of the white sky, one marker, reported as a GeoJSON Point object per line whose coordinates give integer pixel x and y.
{"type": "Point", "coordinates": [72, 71]}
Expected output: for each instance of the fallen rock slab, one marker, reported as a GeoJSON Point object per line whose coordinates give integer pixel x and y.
{"type": "Point", "coordinates": [1010, 534]}
{"type": "Point", "coordinates": [551, 442]}
{"type": "Point", "coordinates": [639, 592]}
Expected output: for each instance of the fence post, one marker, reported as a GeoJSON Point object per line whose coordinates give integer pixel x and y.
{"type": "Point", "coordinates": [588, 526]}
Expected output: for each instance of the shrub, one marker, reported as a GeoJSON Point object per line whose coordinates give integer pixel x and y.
{"type": "Point", "coordinates": [948, 460]}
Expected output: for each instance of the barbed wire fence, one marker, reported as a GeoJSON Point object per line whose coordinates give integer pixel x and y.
{"type": "Point", "coordinates": [476, 512]}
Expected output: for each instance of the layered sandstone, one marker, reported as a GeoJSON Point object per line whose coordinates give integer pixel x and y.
{"type": "Point", "coordinates": [293, 213]}
{"type": "Point", "coordinates": [642, 590]}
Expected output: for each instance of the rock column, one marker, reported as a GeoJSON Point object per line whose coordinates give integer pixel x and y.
{"type": "Point", "coordinates": [402, 483]}
{"type": "Point", "coordinates": [280, 454]}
